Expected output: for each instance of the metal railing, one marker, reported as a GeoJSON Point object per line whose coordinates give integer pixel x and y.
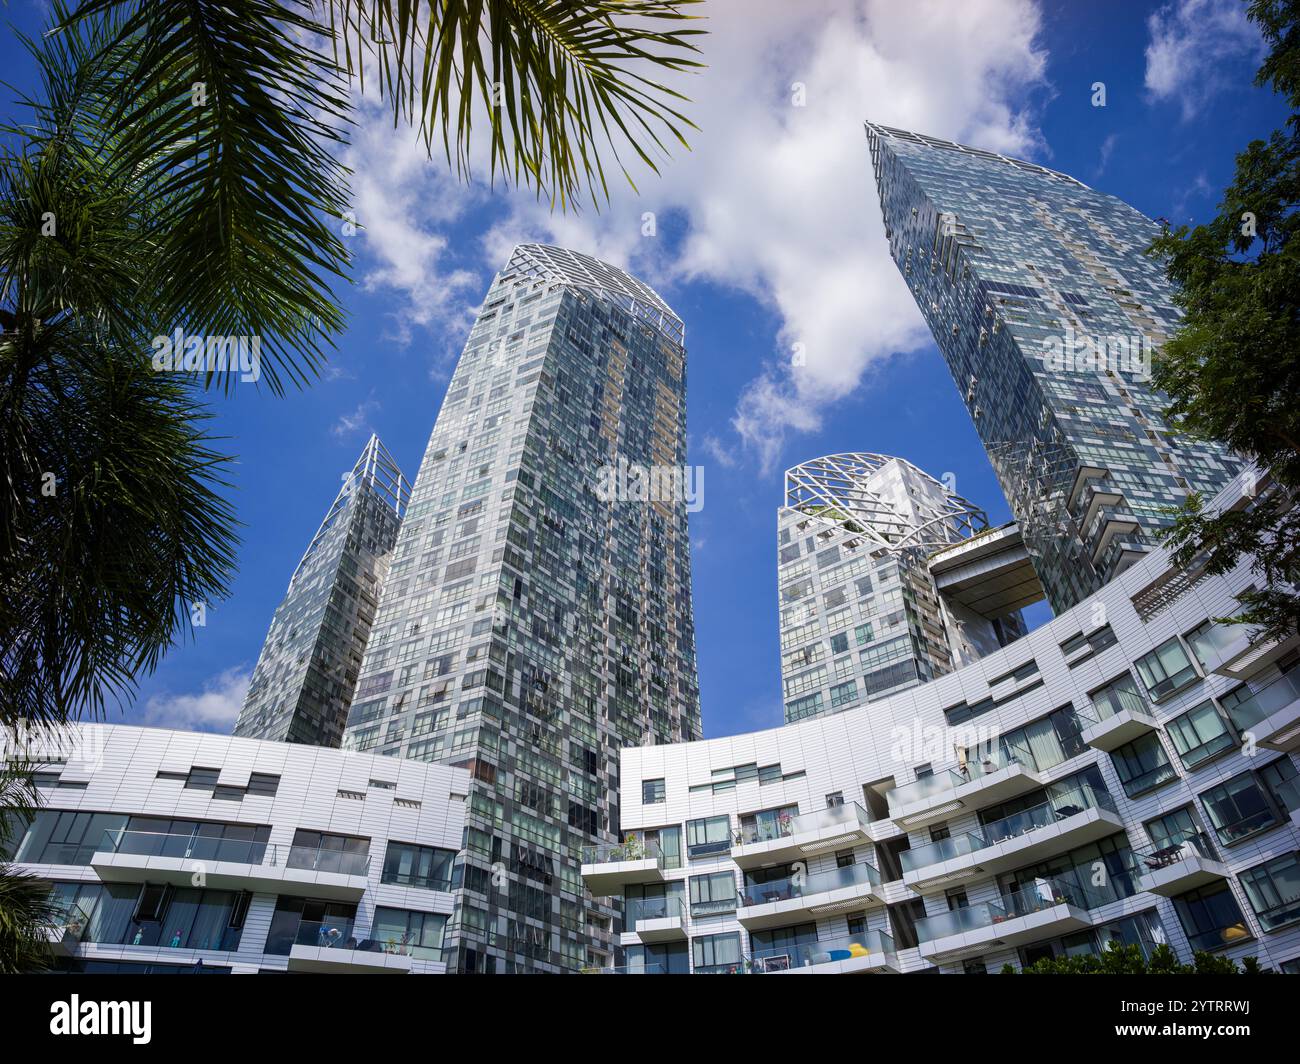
{"type": "Point", "coordinates": [187, 845]}
{"type": "Point", "coordinates": [1180, 847]}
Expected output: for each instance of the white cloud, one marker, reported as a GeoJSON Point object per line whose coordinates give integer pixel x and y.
{"type": "Point", "coordinates": [348, 424]}
{"type": "Point", "coordinates": [403, 201]}
{"type": "Point", "coordinates": [215, 709]}
{"type": "Point", "coordinates": [778, 200]}
{"type": "Point", "coordinates": [1190, 42]}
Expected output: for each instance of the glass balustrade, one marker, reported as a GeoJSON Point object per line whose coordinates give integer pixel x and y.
{"type": "Point", "coordinates": [924, 788]}
{"type": "Point", "coordinates": [186, 845]}
{"type": "Point", "coordinates": [1040, 895]}
{"type": "Point", "coordinates": [1064, 803]}
{"type": "Point", "coordinates": [845, 816]}
{"type": "Point", "coordinates": [821, 951]}
{"type": "Point", "coordinates": [1281, 693]}
{"type": "Point", "coordinates": [801, 884]}
{"type": "Point", "coordinates": [669, 907]}
{"type": "Point", "coordinates": [630, 850]}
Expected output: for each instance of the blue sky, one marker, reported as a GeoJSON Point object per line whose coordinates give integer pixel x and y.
{"type": "Point", "coordinates": [767, 235]}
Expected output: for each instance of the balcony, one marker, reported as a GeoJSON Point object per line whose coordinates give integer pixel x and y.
{"type": "Point", "coordinates": [1182, 865]}
{"type": "Point", "coordinates": [608, 869]}
{"type": "Point", "coordinates": [1071, 818]}
{"type": "Point", "coordinates": [1231, 651]}
{"type": "Point", "coordinates": [64, 936]}
{"type": "Point", "coordinates": [786, 900]}
{"type": "Point", "coordinates": [653, 920]}
{"type": "Point", "coordinates": [1118, 718]}
{"type": "Point", "coordinates": [627, 969]}
{"type": "Point", "coordinates": [177, 858]}
{"type": "Point", "coordinates": [982, 782]}
{"type": "Point", "coordinates": [335, 945]}
{"type": "Point", "coordinates": [1272, 714]}
{"type": "Point", "coordinates": [871, 951]}
{"type": "Point", "coordinates": [1043, 910]}
{"type": "Point", "coordinates": [839, 827]}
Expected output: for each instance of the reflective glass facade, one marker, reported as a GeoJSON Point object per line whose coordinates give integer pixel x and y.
{"type": "Point", "coordinates": [860, 614]}
{"type": "Point", "coordinates": [1046, 309]}
{"type": "Point", "coordinates": [305, 677]}
{"type": "Point", "coordinates": [533, 623]}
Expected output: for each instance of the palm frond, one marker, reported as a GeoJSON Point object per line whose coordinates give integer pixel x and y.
{"type": "Point", "coordinates": [227, 114]}
{"type": "Point", "coordinates": [559, 81]}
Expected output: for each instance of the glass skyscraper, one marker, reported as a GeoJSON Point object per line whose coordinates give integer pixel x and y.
{"type": "Point", "coordinates": [534, 621]}
{"type": "Point", "coordinates": [861, 616]}
{"type": "Point", "coordinates": [1047, 311]}
{"type": "Point", "coordinates": [307, 671]}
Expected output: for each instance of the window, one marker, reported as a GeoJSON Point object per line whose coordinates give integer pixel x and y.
{"type": "Point", "coordinates": [844, 694]}
{"type": "Point", "coordinates": [844, 858]}
{"type": "Point", "coordinates": [329, 853]}
{"type": "Point", "coordinates": [1211, 918]}
{"type": "Point", "coordinates": [1178, 828]}
{"type": "Point", "coordinates": [1166, 669]}
{"type": "Point", "coordinates": [717, 954]}
{"type": "Point", "coordinates": [1142, 765]}
{"type": "Point", "coordinates": [840, 643]}
{"type": "Point", "coordinates": [412, 934]}
{"type": "Point", "coordinates": [713, 894]}
{"type": "Point", "coordinates": [262, 783]}
{"type": "Point", "coordinates": [67, 838]}
{"type": "Point", "coordinates": [708, 837]}
{"type": "Point", "coordinates": [1200, 734]}
{"type": "Point", "coordinates": [418, 866]}
{"type": "Point", "coordinates": [310, 922]}
{"type": "Point", "coordinates": [1117, 696]}
{"type": "Point", "coordinates": [1209, 639]}
{"type": "Point", "coordinates": [653, 792]}
{"type": "Point", "coordinates": [1273, 890]}
{"type": "Point", "coordinates": [202, 779]}
{"type": "Point", "coordinates": [1239, 808]}
{"type": "Point", "coordinates": [767, 824]}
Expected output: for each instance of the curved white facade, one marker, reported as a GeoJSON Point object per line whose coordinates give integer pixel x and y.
{"type": "Point", "coordinates": [1005, 823]}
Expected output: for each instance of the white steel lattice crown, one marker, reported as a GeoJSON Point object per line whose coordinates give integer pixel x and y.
{"type": "Point", "coordinates": [835, 488]}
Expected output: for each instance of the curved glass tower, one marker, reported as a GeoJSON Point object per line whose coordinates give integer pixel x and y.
{"type": "Point", "coordinates": [1047, 311]}
{"type": "Point", "coordinates": [537, 615]}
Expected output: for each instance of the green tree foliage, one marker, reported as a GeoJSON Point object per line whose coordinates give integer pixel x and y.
{"type": "Point", "coordinates": [1232, 369]}
{"type": "Point", "coordinates": [1118, 959]}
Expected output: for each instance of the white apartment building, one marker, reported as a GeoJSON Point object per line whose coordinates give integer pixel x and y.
{"type": "Point", "coordinates": [1127, 771]}
{"type": "Point", "coordinates": [180, 852]}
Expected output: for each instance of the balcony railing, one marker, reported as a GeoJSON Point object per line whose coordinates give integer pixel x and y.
{"type": "Point", "coordinates": [1149, 780]}
{"type": "Point", "coordinates": [186, 845]}
{"type": "Point", "coordinates": [669, 907]}
{"type": "Point", "coordinates": [821, 951]}
{"type": "Point", "coordinates": [616, 853]}
{"type": "Point", "coordinates": [1044, 894]}
{"type": "Point", "coordinates": [836, 816]}
{"type": "Point", "coordinates": [1178, 848]}
{"type": "Point", "coordinates": [320, 859]}
{"type": "Point", "coordinates": [1068, 803]}
{"type": "Point", "coordinates": [194, 847]}
{"type": "Point", "coordinates": [925, 787]}
{"type": "Point", "coordinates": [1112, 701]}
{"type": "Point", "coordinates": [799, 885]}
{"type": "Point", "coordinates": [715, 906]}
{"type": "Point", "coordinates": [627, 969]}
{"type": "Point", "coordinates": [1004, 755]}
{"type": "Point", "coordinates": [1265, 702]}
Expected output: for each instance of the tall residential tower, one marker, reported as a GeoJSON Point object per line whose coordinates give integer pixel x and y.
{"type": "Point", "coordinates": [534, 622]}
{"type": "Point", "coordinates": [861, 612]}
{"type": "Point", "coordinates": [1047, 310]}
{"type": "Point", "coordinates": [305, 676]}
